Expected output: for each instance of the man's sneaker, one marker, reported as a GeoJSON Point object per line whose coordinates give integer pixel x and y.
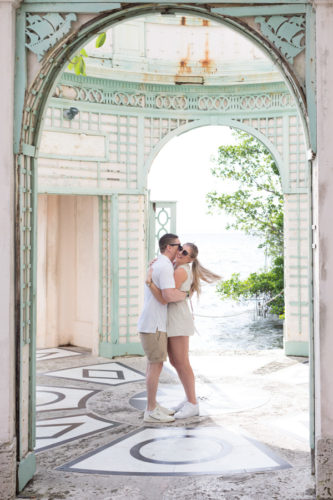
{"type": "Point", "coordinates": [167, 411]}
{"type": "Point", "coordinates": [157, 416]}
{"type": "Point", "coordinates": [188, 410]}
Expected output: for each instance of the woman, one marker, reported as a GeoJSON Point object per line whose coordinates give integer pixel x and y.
{"type": "Point", "coordinates": [180, 325]}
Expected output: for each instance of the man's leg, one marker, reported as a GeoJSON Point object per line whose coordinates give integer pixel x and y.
{"type": "Point", "coordinates": [155, 347]}
{"type": "Point", "coordinates": [152, 377]}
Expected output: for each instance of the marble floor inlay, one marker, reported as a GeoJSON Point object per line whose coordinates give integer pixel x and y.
{"type": "Point", "coordinates": [214, 399]}
{"type": "Point", "coordinates": [55, 353]}
{"type": "Point", "coordinates": [112, 373]}
{"type": "Point", "coordinates": [61, 398]}
{"type": "Point", "coordinates": [52, 432]}
{"type": "Point", "coordinates": [180, 451]}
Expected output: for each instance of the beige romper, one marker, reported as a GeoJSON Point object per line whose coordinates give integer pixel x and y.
{"type": "Point", "coordinates": [180, 320]}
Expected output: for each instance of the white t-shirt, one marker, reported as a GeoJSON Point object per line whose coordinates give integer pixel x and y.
{"type": "Point", "coordinates": [154, 314]}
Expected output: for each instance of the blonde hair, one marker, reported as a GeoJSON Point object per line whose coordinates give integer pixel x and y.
{"type": "Point", "coordinates": [199, 272]}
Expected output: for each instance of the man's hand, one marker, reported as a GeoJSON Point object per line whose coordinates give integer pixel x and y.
{"type": "Point", "coordinates": [173, 295]}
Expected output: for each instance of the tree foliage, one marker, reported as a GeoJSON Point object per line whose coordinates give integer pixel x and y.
{"type": "Point", "coordinates": [256, 207]}
{"type": "Point", "coordinates": [262, 286]}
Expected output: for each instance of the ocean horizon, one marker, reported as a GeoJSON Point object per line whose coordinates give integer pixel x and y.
{"type": "Point", "coordinates": [226, 324]}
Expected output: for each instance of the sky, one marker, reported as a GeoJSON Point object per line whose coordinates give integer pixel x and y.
{"type": "Point", "coordinates": [182, 172]}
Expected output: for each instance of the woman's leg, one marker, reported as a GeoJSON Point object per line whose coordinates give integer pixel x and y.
{"type": "Point", "coordinates": [178, 348]}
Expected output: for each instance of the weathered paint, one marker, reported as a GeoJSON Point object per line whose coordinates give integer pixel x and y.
{"type": "Point", "coordinates": [40, 90]}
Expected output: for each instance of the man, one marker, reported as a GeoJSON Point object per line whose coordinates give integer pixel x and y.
{"type": "Point", "coordinates": [152, 324]}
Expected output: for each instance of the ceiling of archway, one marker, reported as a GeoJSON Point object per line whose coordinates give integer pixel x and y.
{"type": "Point", "coordinates": [179, 49]}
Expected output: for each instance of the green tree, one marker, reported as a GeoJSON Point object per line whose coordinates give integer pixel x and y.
{"type": "Point", "coordinates": [256, 207]}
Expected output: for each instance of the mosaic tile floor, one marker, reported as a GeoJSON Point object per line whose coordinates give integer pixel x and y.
{"type": "Point", "coordinates": [51, 398]}
{"type": "Point", "coordinates": [55, 353]}
{"type": "Point", "coordinates": [214, 399]}
{"type": "Point", "coordinates": [178, 451]}
{"type": "Point", "coordinates": [56, 431]}
{"type": "Point", "coordinates": [160, 450]}
{"type": "Point", "coordinates": [113, 373]}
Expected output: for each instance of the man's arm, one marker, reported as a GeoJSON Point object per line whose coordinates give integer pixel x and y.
{"type": "Point", "coordinates": [173, 295]}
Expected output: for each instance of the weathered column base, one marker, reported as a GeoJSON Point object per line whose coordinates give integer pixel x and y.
{"type": "Point", "coordinates": [324, 469]}
{"type": "Point", "coordinates": [8, 470]}
{"type": "Point", "coordinates": [296, 348]}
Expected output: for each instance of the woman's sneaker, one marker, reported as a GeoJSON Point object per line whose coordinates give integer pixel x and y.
{"type": "Point", "coordinates": [179, 406]}
{"type": "Point", "coordinates": [157, 416]}
{"type": "Point", "coordinates": [188, 410]}
{"type": "Point", "coordinates": [167, 411]}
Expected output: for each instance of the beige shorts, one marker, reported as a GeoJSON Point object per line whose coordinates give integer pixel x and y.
{"type": "Point", "coordinates": [155, 346]}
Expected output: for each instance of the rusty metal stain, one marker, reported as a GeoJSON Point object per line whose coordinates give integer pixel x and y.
{"type": "Point", "coordinates": [205, 22]}
{"type": "Point", "coordinates": [207, 63]}
{"type": "Point", "coordinates": [183, 21]}
{"type": "Point", "coordinates": [183, 63]}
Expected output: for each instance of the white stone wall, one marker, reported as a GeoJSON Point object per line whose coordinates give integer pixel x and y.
{"type": "Point", "coordinates": [68, 271]}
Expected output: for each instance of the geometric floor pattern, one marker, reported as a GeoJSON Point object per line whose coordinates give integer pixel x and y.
{"type": "Point", "coordinates": [61, 398]}
{"type": "Point", "coordinates": [52, 432]}
{"type": "Point", "coordinates": [113, 373]}
{"type": "Point", "coordinates": [43, 354]}
{"type": "Point", "coordinates": [178, 451]}
{"type": "Point", "coordinates": [214, 399]}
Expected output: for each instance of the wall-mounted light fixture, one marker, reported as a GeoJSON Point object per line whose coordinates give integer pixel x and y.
{"type": "Point", "coordinates": [70, 113]}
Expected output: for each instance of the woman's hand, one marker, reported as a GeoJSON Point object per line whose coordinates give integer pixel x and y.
{"type": "Point", "coordinates": [149, 275]}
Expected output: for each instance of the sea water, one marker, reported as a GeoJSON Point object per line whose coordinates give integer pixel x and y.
{"type": "Point", "coordinates": [226, 324]}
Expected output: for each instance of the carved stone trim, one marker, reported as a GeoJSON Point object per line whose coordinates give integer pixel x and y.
{"type": "Point", "coordinates": [44, 31]}
{"type": "Point", "coordinates": [178, 102]}
{"type": "Point", "coordinates": [286, 33]}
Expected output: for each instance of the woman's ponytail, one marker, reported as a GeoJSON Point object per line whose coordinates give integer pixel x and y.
{"type": "Point", "coordinates": [199, 272]}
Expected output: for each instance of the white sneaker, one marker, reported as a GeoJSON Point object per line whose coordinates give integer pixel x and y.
{"type": "Point", "coordinates": [156, 416]}
{"type": "Point", "coordinates": [167, 411]}
{"type": "Point", "coordinates": [188, 410]}
{"type": "Point", "coordinates": [178, 407]}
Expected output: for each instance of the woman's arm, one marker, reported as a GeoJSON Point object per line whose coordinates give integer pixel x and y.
{"type": "Point", "coordinates": [180, 276]}
{"type": "Point", "coordinates": [174, 294]}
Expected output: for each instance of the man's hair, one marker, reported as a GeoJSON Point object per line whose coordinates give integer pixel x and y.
{"type": "Point", "coordinates": [165, 240]}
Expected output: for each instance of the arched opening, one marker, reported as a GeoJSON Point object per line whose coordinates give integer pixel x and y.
{"type": "Point", "coordinates": [119, 201]}
{"type": "Point", "coordinates": [181, 173]}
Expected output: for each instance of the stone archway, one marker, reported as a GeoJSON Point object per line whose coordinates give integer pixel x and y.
{"type": "Point", "coordinates": [34, 107]}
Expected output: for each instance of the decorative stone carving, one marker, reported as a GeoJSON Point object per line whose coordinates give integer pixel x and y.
{"type": "Point", "coordinates": [46, 30]}
{"type": "Point", "coordinates": [200, 102]}
{"type": "Point", "coordinates": [286, 33]}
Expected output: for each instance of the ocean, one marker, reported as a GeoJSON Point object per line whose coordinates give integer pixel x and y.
{"type": "Point", "coordinates": [226, 325]}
